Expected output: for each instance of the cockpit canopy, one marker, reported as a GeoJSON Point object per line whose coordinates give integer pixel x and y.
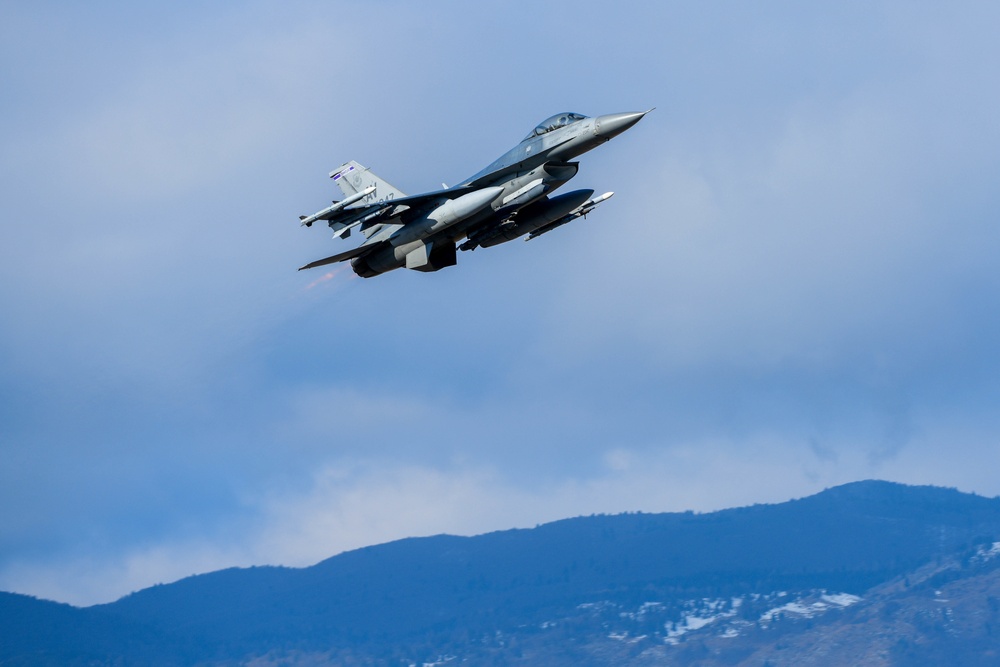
{"type": "Point", "coordinates": [554, 123]}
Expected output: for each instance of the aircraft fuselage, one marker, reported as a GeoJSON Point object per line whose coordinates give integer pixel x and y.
{"type": "Point", "coordinates": [507, 199]}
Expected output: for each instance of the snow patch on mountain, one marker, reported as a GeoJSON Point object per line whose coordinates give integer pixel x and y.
{"type": "Point", "coordinates": [984, 554]}
{"type": "Point", "coordinates": [806, 608]}
{"type": "Point", "coordinates": [670, 623]}
{"type": "Point", "coordinates": [706, 612]}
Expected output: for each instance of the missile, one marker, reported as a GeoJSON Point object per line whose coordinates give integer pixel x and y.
{"type": "Point", "coordinates": [307, 221]}
{"type": "Point", "coordinates": [367, 220]}
{"type": "Point", "coordinates": [589, 206]}
{"type": "Point", "coordinates": [584, 209]}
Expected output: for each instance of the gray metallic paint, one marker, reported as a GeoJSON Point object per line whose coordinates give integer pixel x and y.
{"type": "Point", "coordinates": [507, 199]}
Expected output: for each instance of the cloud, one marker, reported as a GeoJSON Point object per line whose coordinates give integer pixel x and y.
{"type": "Point", "coordinates": [793, 286]}
{"type": "Point", "coordinates": [824, 247]}
{"type": "Point", "coordinates": [353, 502]}
{"type": "Point", "coordinates": [356, 504]}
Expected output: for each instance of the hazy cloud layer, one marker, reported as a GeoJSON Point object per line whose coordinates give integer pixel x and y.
{"type": "Point", "coordinates": [793, 287]}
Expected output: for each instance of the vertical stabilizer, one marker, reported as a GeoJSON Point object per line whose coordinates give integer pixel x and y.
{"type": "Point", "coordinates": [352, 178]}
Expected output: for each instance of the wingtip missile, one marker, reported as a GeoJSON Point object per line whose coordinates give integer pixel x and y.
{"type": "Point", "coordinates": [308, 220]}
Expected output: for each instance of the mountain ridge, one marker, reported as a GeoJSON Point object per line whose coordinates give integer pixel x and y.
{"type": "Point", "coordinates": [404, 597]}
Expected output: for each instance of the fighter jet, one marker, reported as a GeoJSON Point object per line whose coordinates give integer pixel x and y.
{"type": "Point", "coordinates": [506, 200]}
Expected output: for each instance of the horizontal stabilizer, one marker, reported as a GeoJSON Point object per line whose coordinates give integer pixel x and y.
{"type": "Point", "coordinates": [340, 257]}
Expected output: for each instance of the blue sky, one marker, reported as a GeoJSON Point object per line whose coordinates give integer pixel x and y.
{"type": "Point", "coordinates": [795, 285]}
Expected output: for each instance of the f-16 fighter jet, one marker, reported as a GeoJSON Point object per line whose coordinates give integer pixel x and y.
{"type": "Point", "coordinates": [507, 199]}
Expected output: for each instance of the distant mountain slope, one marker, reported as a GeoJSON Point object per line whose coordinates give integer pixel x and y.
{"type": "Point", "coordinates": [419, 598]}
{"type": "Point", "coordinates": [38, 632]}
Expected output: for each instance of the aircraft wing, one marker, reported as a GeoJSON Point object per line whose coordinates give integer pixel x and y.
{"type": "Point", "coordinates": [348, 254]}
{"type": "Point", "coordinates": [339, 213]}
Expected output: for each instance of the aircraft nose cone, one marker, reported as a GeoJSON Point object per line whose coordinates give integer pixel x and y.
{"type": "Point", "coordinates": [614, 124]}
